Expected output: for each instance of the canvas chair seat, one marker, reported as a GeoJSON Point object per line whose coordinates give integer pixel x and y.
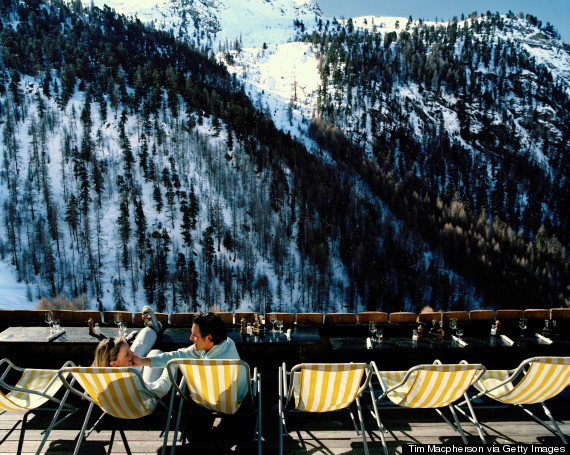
{"type": "Point", "coordinates": [35, 388]}
{"type": "Point", "coordinates": [323, 387]}
{"type": "Point", "coordinates": [534, 381]}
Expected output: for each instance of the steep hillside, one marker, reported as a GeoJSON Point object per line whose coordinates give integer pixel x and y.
{"type": "Point", "coordinates": [136, 168]}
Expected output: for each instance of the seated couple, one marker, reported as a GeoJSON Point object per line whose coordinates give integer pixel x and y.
{"type": "Point", "coordinates": [210, 339]}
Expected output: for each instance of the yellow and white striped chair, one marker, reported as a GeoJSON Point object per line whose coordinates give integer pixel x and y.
{"type": "Point", "coordinates": [119, 392]}
{"type": "Point", "coordinates": [431, 386]}
{"type": "Point", "coordinates": [534, 381]}
{"type": "Point", "coordinates": [324, 387]}
{"type": "Point", "coordinates": [214, 384]}
{"type": "Point", "coordinates": [34, 388]}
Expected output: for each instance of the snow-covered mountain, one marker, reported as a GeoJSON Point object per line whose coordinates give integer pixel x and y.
{"type": "Point", "coordinates": [216, 22]}
{"type": "Point", "coordinates": [140, 168]}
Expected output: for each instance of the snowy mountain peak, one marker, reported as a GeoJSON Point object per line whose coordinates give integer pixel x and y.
{"type": "Point", "coordinates": [210, 22]}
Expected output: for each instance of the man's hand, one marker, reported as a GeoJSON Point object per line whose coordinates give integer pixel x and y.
{"type": "Point", "coordinates": [140, 361]}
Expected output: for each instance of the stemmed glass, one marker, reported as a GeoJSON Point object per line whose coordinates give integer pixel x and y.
{"type": "Point", "coordinates": [272, 320]}
{"type": "Point", "coordinates": [522, 325]}
{"type": "Point", "coordinates": [49, 320]}
{"type": "Point", "coordinates": [118, 319]}
{"type": "Point", "coordinates": [372, 328]}
{"type": "Point", "coordinates": [122, 329]}
{"type": "Point", "coordinates": [453, 324]}
{"type": "Point", "coordinates": [56, 326]}
{"type": "Point", "coordinates": [459, 331]}
{"type": "Point", "coordinates": [379, 335]}
{"type": "Point", "coordinates": [280, 325]}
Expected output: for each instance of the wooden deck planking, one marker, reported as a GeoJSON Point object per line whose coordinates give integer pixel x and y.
{"type": "Point", "coordinates": [327, 433]}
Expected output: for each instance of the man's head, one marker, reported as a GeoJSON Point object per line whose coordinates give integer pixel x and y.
{"type": "Point", "coordinates": [208, 329]}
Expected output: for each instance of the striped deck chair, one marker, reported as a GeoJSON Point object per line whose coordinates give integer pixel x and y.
{"type": "Point", "coordinates": [213, 384]}
{"type": "Point", "coordinates": [431, 386]}
{"type": "Point", "coordinates": [324, 387]}
{"type": "Point", "coordinates": [35, 388]}
{"type": "Point", "coordinates": [534, 381]}
{"type": "Point", "coordinates": [119, 392]}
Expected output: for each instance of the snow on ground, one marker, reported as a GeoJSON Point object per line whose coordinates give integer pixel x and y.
{"type": "Point", "coordinates": [13, 294]}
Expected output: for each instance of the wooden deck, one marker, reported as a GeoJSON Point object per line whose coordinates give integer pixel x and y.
{"type": "Point", "coordinates": [308, 433]}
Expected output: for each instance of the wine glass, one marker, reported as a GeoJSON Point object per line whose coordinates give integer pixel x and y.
{"type": "Point", "coordinates": [56, 326]}
{"type": "Point", "coordinates": [280, 325]}
{"type": "Point", "coordinates": [49, 320]}
{"type": "Point", "coordinates": [372, 328]}
{"type": "Point", "coordinates": [459, 331]}
{"type": "Point", "coordinates": [379, 335]}
{"type": "Point", "coordinates": [272, 320]}
{"type": "Point", "coordinates": [522, 325]}
{"type": "Point", "coordinates": [453, 324]}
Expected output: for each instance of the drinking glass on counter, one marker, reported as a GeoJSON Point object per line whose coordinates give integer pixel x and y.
{"type": "Point", "coordinates": [280, 325]}
{"type": "Point", "coordinates": [372, 328]}
{"type": "Point", "coordinates": [56, 326]}
{"type": "Point", "coordinates": [49, 320]}
{"type": "Point", "coordinates": [379, 335]}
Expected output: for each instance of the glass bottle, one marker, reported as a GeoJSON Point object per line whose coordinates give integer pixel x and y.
{"type": "Point", "coordinates": [255, 325]}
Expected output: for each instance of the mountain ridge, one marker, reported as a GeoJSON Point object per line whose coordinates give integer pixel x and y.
{"type": "Point", "coordinates": [204, 201]}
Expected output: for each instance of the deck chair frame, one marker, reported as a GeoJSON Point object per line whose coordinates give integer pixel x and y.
{"type": "Point", "coordinates": [287, 396]}
{"type": "Point", "coordinates": [93, 397]}
{"type": "Point", "coordinates": [46, 385]}
{"type": "Point", "coordinates": [517, 382]}
{"type": "Point", "coordinates": [411, 375]}
{"type": "Point", "coordinates": [253, 384]}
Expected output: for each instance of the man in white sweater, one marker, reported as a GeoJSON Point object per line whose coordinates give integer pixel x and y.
{"type": "Point", "coordinates": [210, 339]}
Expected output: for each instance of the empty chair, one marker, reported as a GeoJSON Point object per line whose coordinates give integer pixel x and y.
{"type": "Point", "coordinates": [182, 318]}
{"type": "Point", "coordinates": [214, 384]}
{"type": "Point", "coordinates": [534, 381]}
{"type": "Point", "coordinates": [341, 318]}
{"type": "Point", "coordinates": [313, 387]}
{"type": "Point", "coordinates": [372, 316]}
{"type": "Point", "coordinates": [429, 316]}
{"type": "Point", "coordinates": [403, 317]}
{"type": "Point", "coordinates": [537, 319]}
{"type": "Point", "coordinates": [118, 392]}
{"type": "Point", "coordinates": [249, 316]}
{"type": "Point", "coordinates": [459, 316]}
{"type": "Point", "coordinates": [481, 315]}
{"type": "Point", "coordinates": [34, 388]}
{"type": "Point", "coordinates": [64, 316]}
{"type": "Point", "coordinates": [509, 321]}
{"type": "Point", "coordinates": [82, 316]}
{"type": "Point", "coordinates": [309, 318]}
{"type": "Point", "coordinates": [559, 313]}
{"type": "Point", "coordinates": [481, 321]}
{"type": "Point", "coordinates": [508, 315]}
{"type": "Point", "coordinates": [430, 386]}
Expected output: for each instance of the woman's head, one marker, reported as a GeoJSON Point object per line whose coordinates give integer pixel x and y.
{"type": "Point", "coordinates": [113, 352]}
